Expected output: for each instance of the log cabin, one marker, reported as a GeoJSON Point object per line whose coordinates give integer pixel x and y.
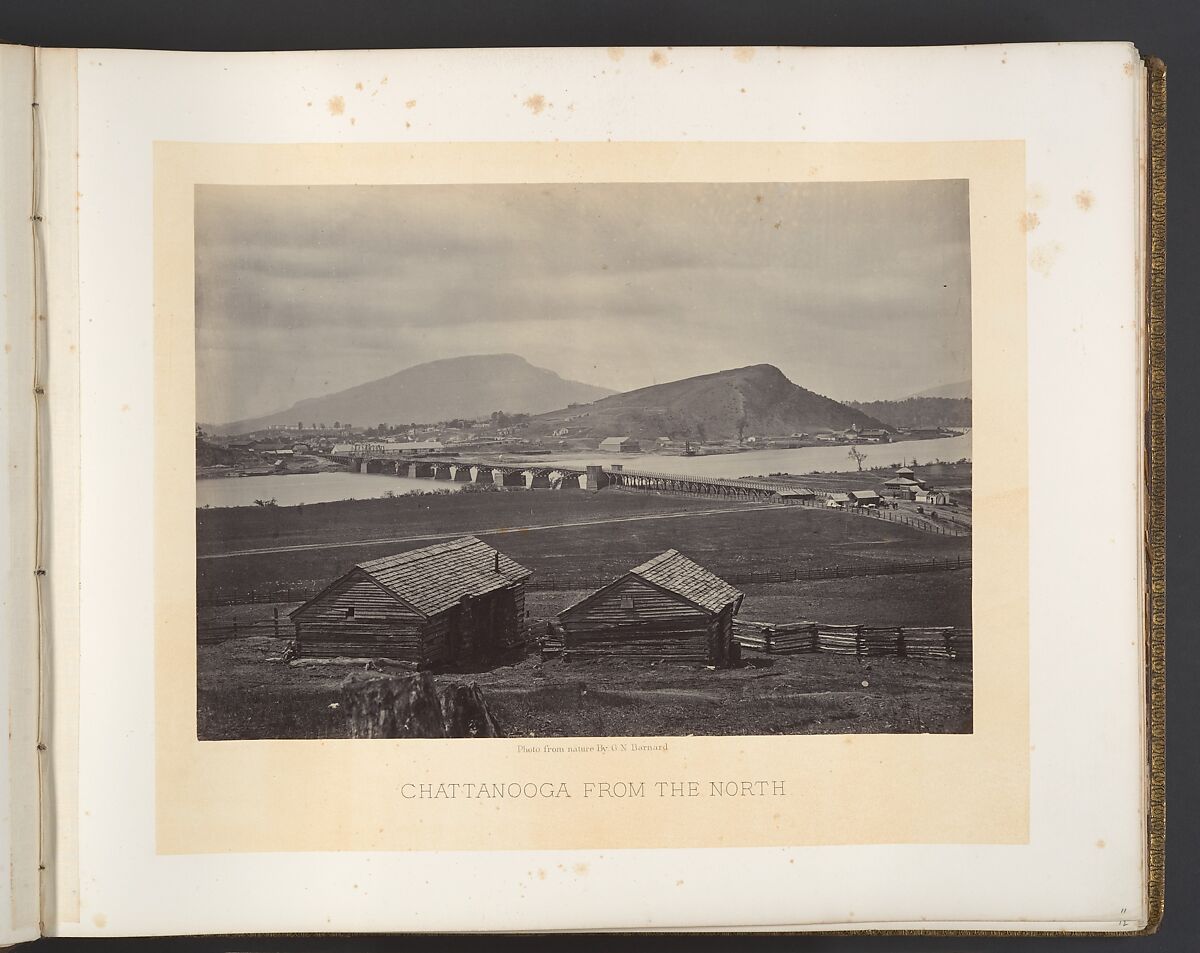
{"type": "Point", "coordinates": [454, 602]}
{"type": "Point", "coordinates": [668, 607]}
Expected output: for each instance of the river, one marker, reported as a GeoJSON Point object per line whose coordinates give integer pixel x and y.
{"type": "Point", "coordinates": [831, 459]}
{"type": "Point", "coordinates": [296, 488]}
{"type": "Point", "coordinates": [336, 485]}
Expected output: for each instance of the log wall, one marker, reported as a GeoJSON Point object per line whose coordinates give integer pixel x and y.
{"type": "Point", "coordinates": [635, 619]}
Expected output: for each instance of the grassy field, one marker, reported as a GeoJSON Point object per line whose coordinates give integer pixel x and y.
{"type": "Point", "coordinates": [245, 692]}
{"type": "Point", "coordinates": [748, 538]}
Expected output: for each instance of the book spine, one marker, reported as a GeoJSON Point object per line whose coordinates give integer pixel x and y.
{"type": "Point", "coordinates": [1156, 473]}
{"type": "Point", "coordinates": [20, 682]}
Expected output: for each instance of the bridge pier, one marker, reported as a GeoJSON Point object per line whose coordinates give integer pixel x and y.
{"type": "Point", "coordinates": [595, 479]}
{"type": "Point", "coordinates": [459, 473]}
{"type": "Point", "coordinates": [537, 479]}
{"type": "Point", "coordinates": [422, 470]}
{"type": "Point", "coordinates": [508, 477]}
{"type": "Point", "coordinates": [441, 471]}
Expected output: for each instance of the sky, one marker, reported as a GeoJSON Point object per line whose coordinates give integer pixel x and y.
{"type": "Point", "coordinates": [859, 291]}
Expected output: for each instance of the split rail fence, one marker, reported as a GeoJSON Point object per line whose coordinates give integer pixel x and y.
{"type": "Point", "coordinates": [937, 642]}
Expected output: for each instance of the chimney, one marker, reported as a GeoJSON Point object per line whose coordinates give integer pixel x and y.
{"type": "Point", "coordinates": [497, 561]}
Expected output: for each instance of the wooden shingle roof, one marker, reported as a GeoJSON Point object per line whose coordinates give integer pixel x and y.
{"type": "Point", "coordinates": [437, 577]}
{"type": "Point", "coordinates": [676, 573]}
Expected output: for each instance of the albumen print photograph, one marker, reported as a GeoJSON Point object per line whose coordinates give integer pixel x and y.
{"type": "Point", "coordinates": [583, 460]}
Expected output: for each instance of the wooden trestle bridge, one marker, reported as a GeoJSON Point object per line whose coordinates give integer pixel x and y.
{"type": "Point", "coordinates": [554, 476]}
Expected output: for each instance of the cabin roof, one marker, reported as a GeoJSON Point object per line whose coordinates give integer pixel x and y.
{"type": "Point", "coordinates": [840, 497]}
{"type": "Point", "coordinates": [435, 578]}
{"type": "Point", "coordinates": [904, 471]}
{"type": "Point", "coordinates": [864, 494]}
{"type": "Point", "coordinates": [795, 493]}
{"type": "Point", "coordinates": [615, 440]}
{"type": "Point", "coordinates": [901, 481]}
{"type": "Point", "coordinates": [675, 573]}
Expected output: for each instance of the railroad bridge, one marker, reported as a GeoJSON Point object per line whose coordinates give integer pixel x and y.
{"type": "Point", "coordinates": [591, 477]}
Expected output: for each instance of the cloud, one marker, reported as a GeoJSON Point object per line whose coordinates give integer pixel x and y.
{"type": "Point", "coordinates": [860, 290]}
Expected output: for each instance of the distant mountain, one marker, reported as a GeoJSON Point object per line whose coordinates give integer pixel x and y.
{"type": "Point", "coordinates": [961, 389]}
{"type": "Point", "coordinates": [756, 400]}
{"type": "Point", "coordinates": [458, 387]}
{"type": "Point", "coordinates": [919, 412]}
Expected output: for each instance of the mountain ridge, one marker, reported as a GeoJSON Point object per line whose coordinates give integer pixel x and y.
{"type": "Point", "coordinates": [457, 387]}
{"type": "Point", "coordinates": [954, 391]}
{"type": "Point", "coordinates": [754, 400]}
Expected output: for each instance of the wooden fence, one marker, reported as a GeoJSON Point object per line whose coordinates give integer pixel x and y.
{"type": "Point", "coordinates": [944, 642]}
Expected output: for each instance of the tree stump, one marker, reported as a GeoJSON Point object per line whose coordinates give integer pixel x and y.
{"type": "Point", "coordinates": [465, 714]}
{"type": "Point", "coordinates": [392, 706]}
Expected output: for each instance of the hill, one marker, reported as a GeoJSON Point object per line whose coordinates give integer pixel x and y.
{"type": "Point", "coordinates": [211, 455]}
{"type": "Point", "coordinates": [920, 411]}
{"type": "Point", "coordinates": [961, 389]}
{"type": "Point", "coordinates": [756, 400]}
{"type": "Point", "coordinates": [466, 387]}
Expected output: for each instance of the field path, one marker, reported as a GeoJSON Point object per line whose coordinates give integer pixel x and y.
{"type": "Point", "coordinates": [741, 508]}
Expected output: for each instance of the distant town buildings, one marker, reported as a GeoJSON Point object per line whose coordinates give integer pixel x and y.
{"type": "Point", "coordinates": [620, 445]}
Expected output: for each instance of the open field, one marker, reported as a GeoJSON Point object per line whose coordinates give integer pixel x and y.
{"type": "Point", "coordinates": [722, 537]}
{"type": "Point", "coordinates": [242, 695]}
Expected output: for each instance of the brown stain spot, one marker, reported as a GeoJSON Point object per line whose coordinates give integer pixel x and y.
{"type": "Point", "coordinates": [1003, 59]}
{"type": "Point", "coordinates": [616, 53]}
{"type": "Point", "coordinates": [124, 408]}
{"type": "Point", "coordinates": [1084, 199]}
{"type": "Point", "coordinates": [70, 348]}
{"type": "Point", "coordinates": [778, 224]}
{"type": "Point", "coordinates": [743, 89]}
{"type": "Point", "coordinates": [535, 103]}
{"type": "Point", "coordinates": [336, 105]}
{"type": "Point", "coordinates": [353, 120]}
{"type": "Point", "coordinates": [1028, 221]}
{"type": "Point", "coordinates": [678, 883]}
{"type": "Point", "coordinates": [7, 347]}
{"type": "Point", "coordinates": [358, 86]}
{"type": "Point", "coordinates": [383, 82]}
{"type": "Point", "coordinates": [658, 59]}
{"type": "Point", "coordinates": [1034, 198]}
{"type": "Point", "coordinates": [541, 874]}
{"type": "Point", "coordinates": [758, 199]}
{"type": "Point", "coordinates": [1042, 258]}
{"type": "Point", "coordinates": [1127, 69]}
{"type": "Point", "coordinates": [581, 869]}
{"type": "Point", "coordinates": [100, 920]}
{"type": "Point", "coordinates": [1100, 843]}
{"type": "Point", "coordinates": [410, 104]}
{"type": "Point", "coordinates": [744, 54]}
{"type": "Point", "coordinates": [309, 103]}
